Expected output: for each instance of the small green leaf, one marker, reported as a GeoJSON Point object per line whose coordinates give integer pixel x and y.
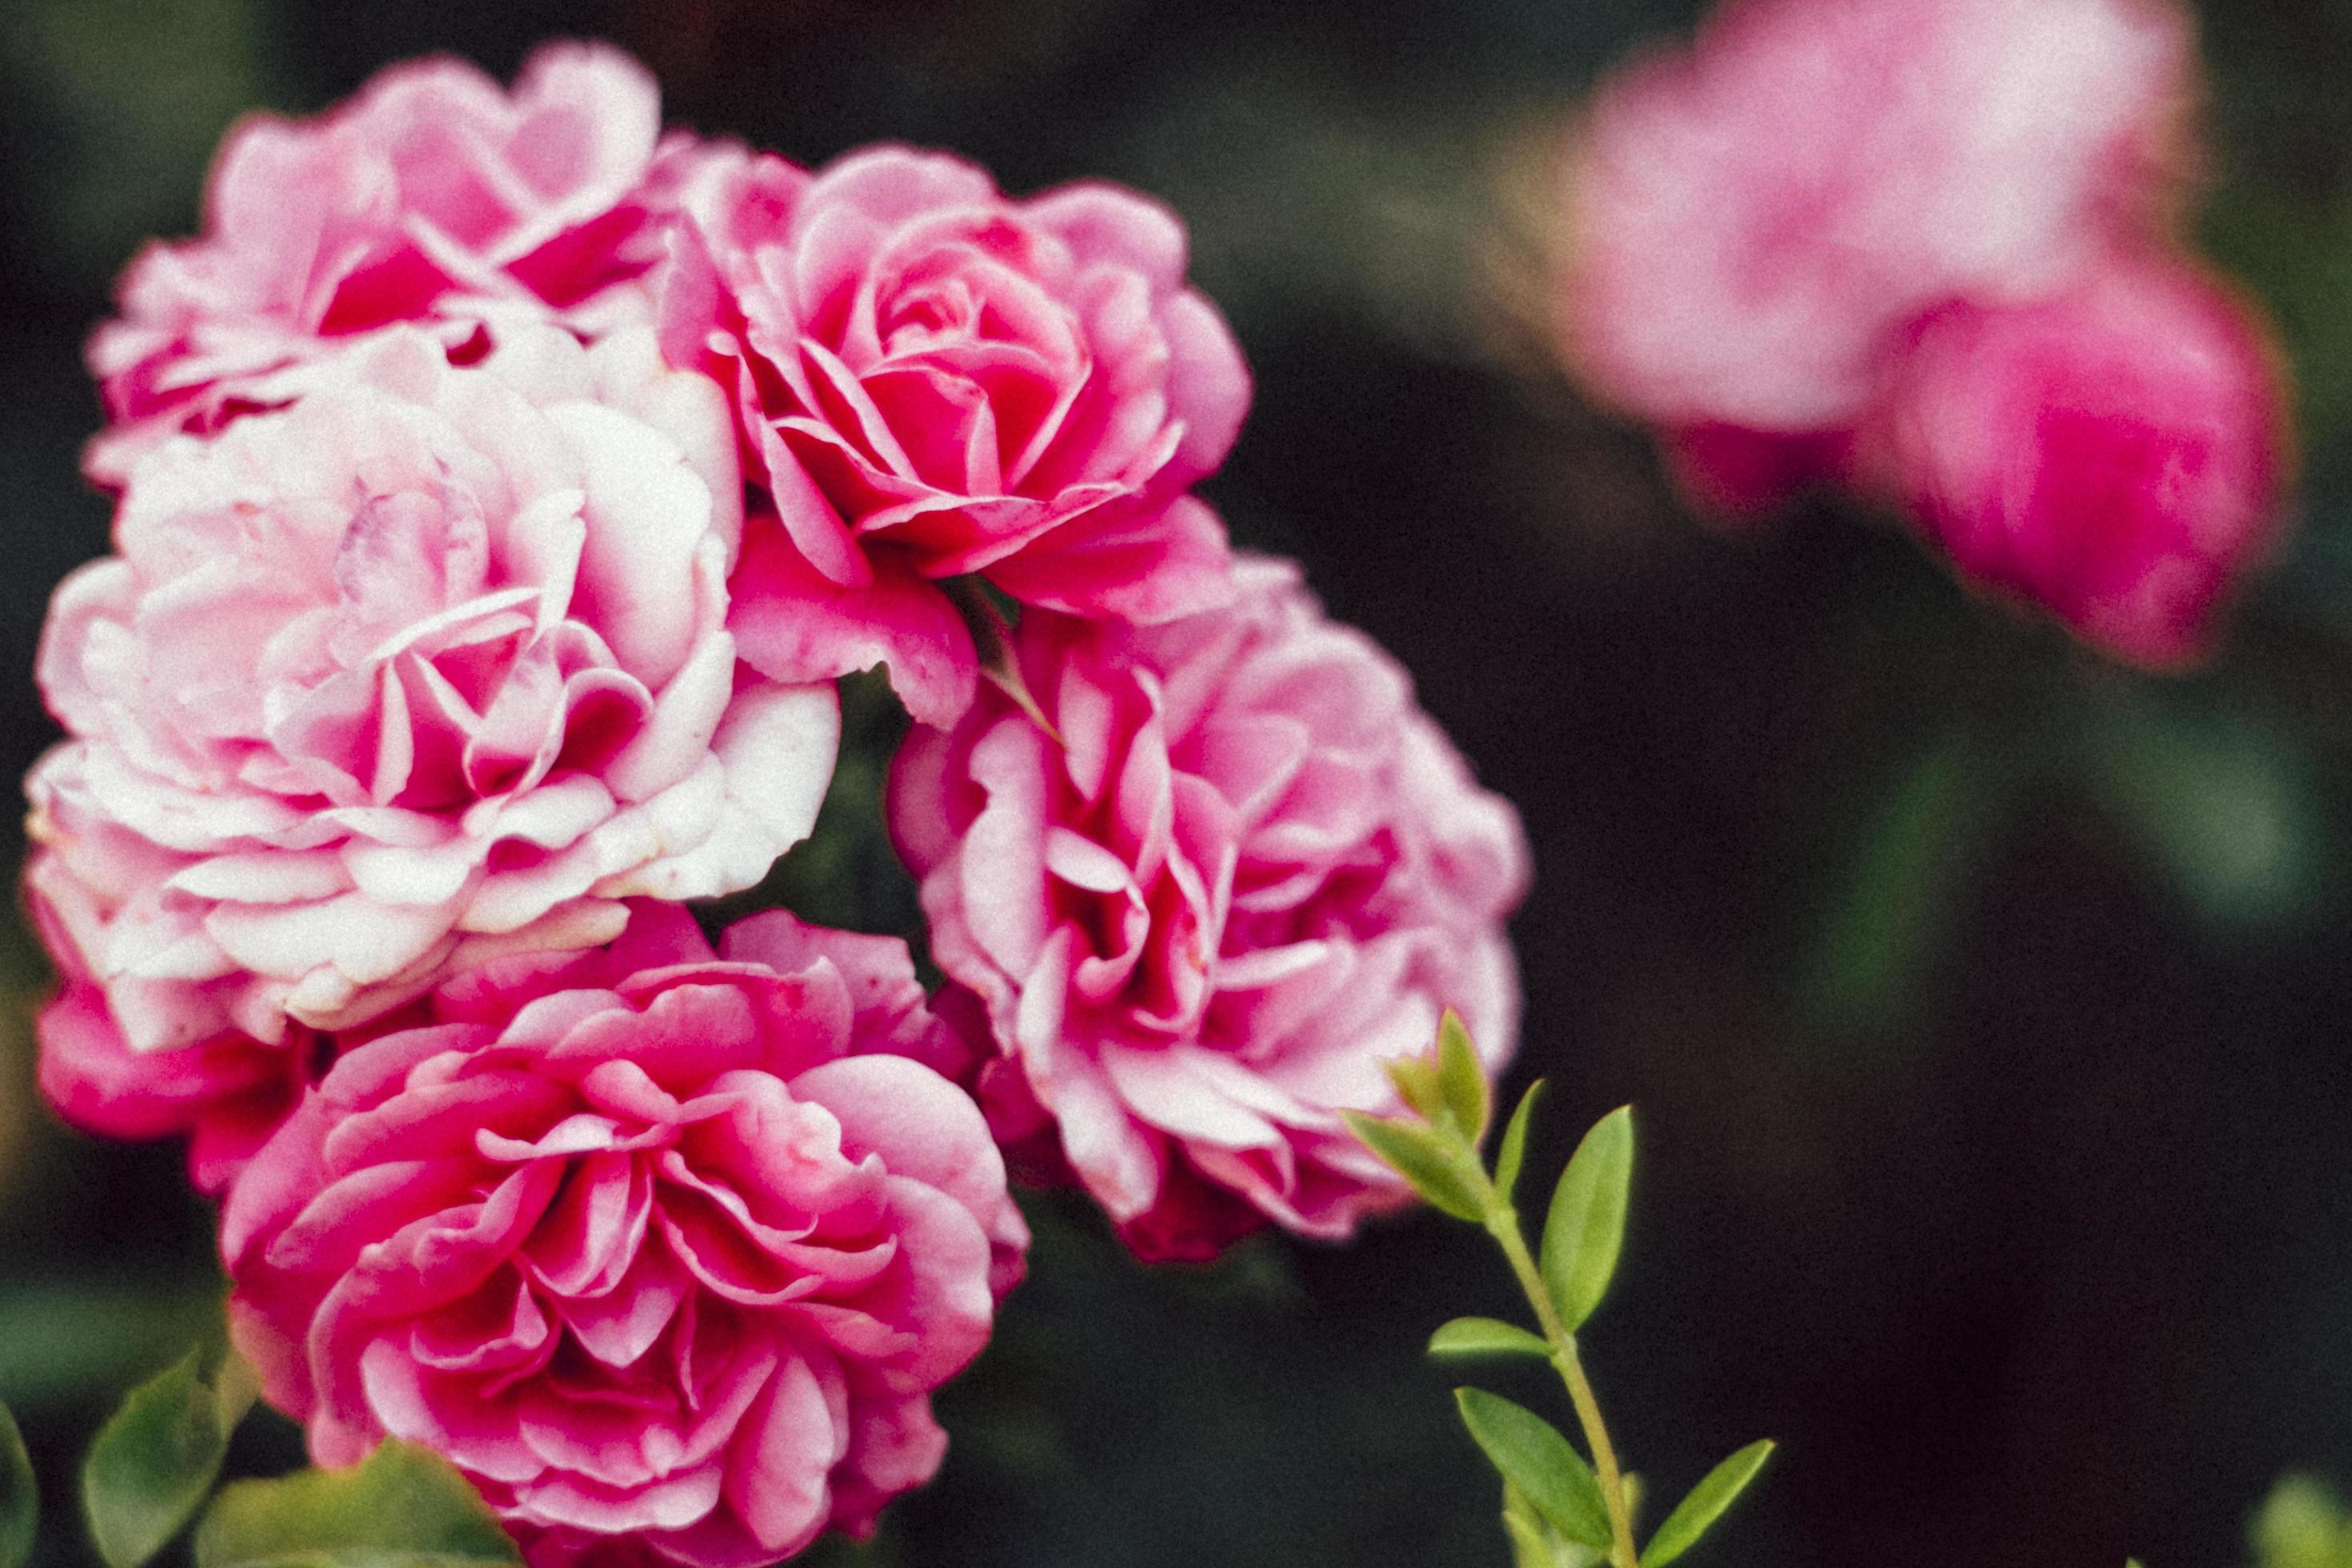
{"type": "Point", "coordinates": [1461, 1081]}
{"type": "Point", "coordinates": [1705, 1504]}
{"type": "Point", "coordinates": [2301, 1525]}
{"type": "Point", "coordinates": [1533, 1456]}
{"type": "Point", "coordinates": [152, 1463]}
{"type": "Point", "coordinates": [403, 1504]}
{"type": "Point", "coordinates": [1534, 1542]}
{"type": "Point", "coordinates": [1587, 1223]}
{"type": "Point", "coordinates": [1486, 1336]}
{"type": "Point", "coordinates": [1416, 1083]}
{"type": "Point", "coordinates": [20, 1501]}
{"type": "Point", "coordinates": [1424, 1158]}
{"type": "Point", "coordinates": [1513, 1149]}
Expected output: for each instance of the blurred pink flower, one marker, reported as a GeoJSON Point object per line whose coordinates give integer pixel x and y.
{"type": "Point", "coordinates": [638, 1239]}
{"type": "Point", "coordinates": [935, 380]}
{"type": "Point", "coordinates": [431, 666]}
{"type": "Point", "coordinates": [1241, 870]}
{"type": "Point", "coordinates": [1754, 222]}
{"type": "Point", "coordinates": [432, 197]}
{"type": "Point", "coordinates": [2114, 453]}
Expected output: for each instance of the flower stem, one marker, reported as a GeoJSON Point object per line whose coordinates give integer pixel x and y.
{"type": "Point", "coordinates": [1503, 1225]}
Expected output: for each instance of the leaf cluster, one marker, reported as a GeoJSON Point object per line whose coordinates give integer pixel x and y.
{"type": "Point", "coordinates": [1561, 1511]}
{"type": "Point", "coordinates": [154, 1464]}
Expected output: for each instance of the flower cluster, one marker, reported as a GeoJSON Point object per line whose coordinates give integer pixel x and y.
{"type": "Point", "coordinates": [1923, 249]}
{"type": "Point", "coordinates": [501, 485]}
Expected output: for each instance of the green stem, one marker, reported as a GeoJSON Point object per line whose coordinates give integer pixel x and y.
{"type": "Point", "coordinates": [1503, 1225]}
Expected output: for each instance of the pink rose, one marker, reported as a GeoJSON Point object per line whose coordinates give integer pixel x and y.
{"type": "Point", "coordinates": [432, 197]}
{"type": "Point", "coordinates": [430, 666]}
{"type": "Point", "coordinates": [2114, 454]}
{"type": "Point", "coordinates": [227, 1094]}
{"type": "Point", "coordinates": [638, 1239]}
{"type": "Point", "coordinates": [1241, 871]}
{"type": "Point", "coordinates": [1753, 223]}
{"type": "Point", "coordinates": [934, 381]}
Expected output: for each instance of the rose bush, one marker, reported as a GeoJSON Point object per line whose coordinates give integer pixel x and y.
{"type": "Point", "coordinates": [639, 1239]}
{"type": "Point", "coordinates": [431, 666]}
{"type": "Point", "coordinates": [432, 197]}
{"type": "Point", "coordinates": [1239, 870]}
{"type": "Point", "coordinates": [933, 379]}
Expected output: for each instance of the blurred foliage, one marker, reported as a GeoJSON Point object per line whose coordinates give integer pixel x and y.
{"type": "Point", "coordinates": [1987, 1006]}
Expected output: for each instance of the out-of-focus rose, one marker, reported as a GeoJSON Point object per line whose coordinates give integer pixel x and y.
{"type": "Point", "coordinates": [2113, 454]}
{"type": "Point", "coordinates": [1241, 871]}
{"type": "Point", "coordinates": [934, 380]}
{"type": "Point", "coordinates": [1753, 223]}
{"type": "Point", "coordinates": [430, 666]}
{"type": "Point", "coordinates": [433, 196]}
{"type": "Point", "coordinates": [638, 1239]}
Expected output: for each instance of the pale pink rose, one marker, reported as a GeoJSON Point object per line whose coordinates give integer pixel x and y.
{"type": "Point", "coordinates": [935, 380]}
{"type": "Point", "coordinates": [1241, 871]}
{"type": "Point", "coordinates": [1752, 222]}
{"type": "Point", "coordinates": [638, 1239]}
{"type": "Point", "coordinates": [2114, 454]}
{"type": "Point", "coordinates": [433, 196]}
{"type": "Point", "coordinates": [430, 666]}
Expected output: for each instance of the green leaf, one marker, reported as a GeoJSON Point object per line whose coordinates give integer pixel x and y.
{"type": "Point", "coordinates": [1587, 1223]}
{"type": "Point", "coordinates": [2301, 1525]}
{"type": "Point", "coordinates": [152, 1462]}
{"type": "Point", "coordinates": [1533, 1456]}
{"type": "Point", "coordinates": [404, 1505]}
{"type": "Point", "coordinates": [1461, 1082]}
{"type": "Point", "coordinates": [1416, 1083]}
{"type": "Point", "coordinates": [1486, 1336]}
{"type": "Point", "coordinates": [20, 1501]}
{"type": "Point", "coordinates": [1705, 1505]}
{"type": "Point", "coordinates": [1424, 1158]}
{"type": "Point", "coordinates": [1534, 1542]}
{"type": "Point", "coordinates": [1513, 1152]}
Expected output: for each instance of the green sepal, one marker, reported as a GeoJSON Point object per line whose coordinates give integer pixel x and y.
{"type": "Point", "coordinates": [1586, 1227]}
{"type": "Point", "coordinates": [1486, 1336]}
{"type": "Point", "coordinates": [156, 1458]}
{"type": "Point", "coordinates": [1424, 1158]}
{"type": "Point", "coordinates": [1705, 1505]}
{"type": "Point", "coordinates": [1532, 1456]}
{"type": "Point", "coordinates": [404, 1505]}
{"type": "Point", "coordinates": [20, 1497]}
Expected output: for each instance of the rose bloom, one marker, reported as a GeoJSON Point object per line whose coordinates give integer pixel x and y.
{"type": "Point", "coordinates": [432, 664]}
{"type": "Point", "coordinates": [2114, 454]}
{"type": "Point", "coordinates": [934, 380]}
{"type": "Point", "coordinates": [433, 196]}
{"type": "Point", "coordinates": [667, 1251]}
{"type": "Point", "coordinates": [1752, 222]}
{"type": "Point", "coordinates": [1241, 871]}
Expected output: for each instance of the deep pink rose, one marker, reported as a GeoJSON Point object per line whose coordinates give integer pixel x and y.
{"type": "Point", "coordinates": [639, 1239]}
{"type": "Point", "coordinates": [227, 1094]}
{"type": "Point", "coordinates": [2114, 454]}
{"type": "Point", "coordinates": [1753, 222]}
{"type": "Point", "coordinates": [432, 664]}
{"type": "Point", "coordinates": [1241, 871]}
{"type": "Point", "coordinates": [433, 196]}
{"type": "Point", "coordinates": [934, 380]}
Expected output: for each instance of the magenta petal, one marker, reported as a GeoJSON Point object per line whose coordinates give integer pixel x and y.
{"type": "Point", "coordinates": [794, 624]}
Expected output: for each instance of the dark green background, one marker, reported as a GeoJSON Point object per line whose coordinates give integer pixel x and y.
{"type": "Point", "coordinates": [1985, 1006]}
